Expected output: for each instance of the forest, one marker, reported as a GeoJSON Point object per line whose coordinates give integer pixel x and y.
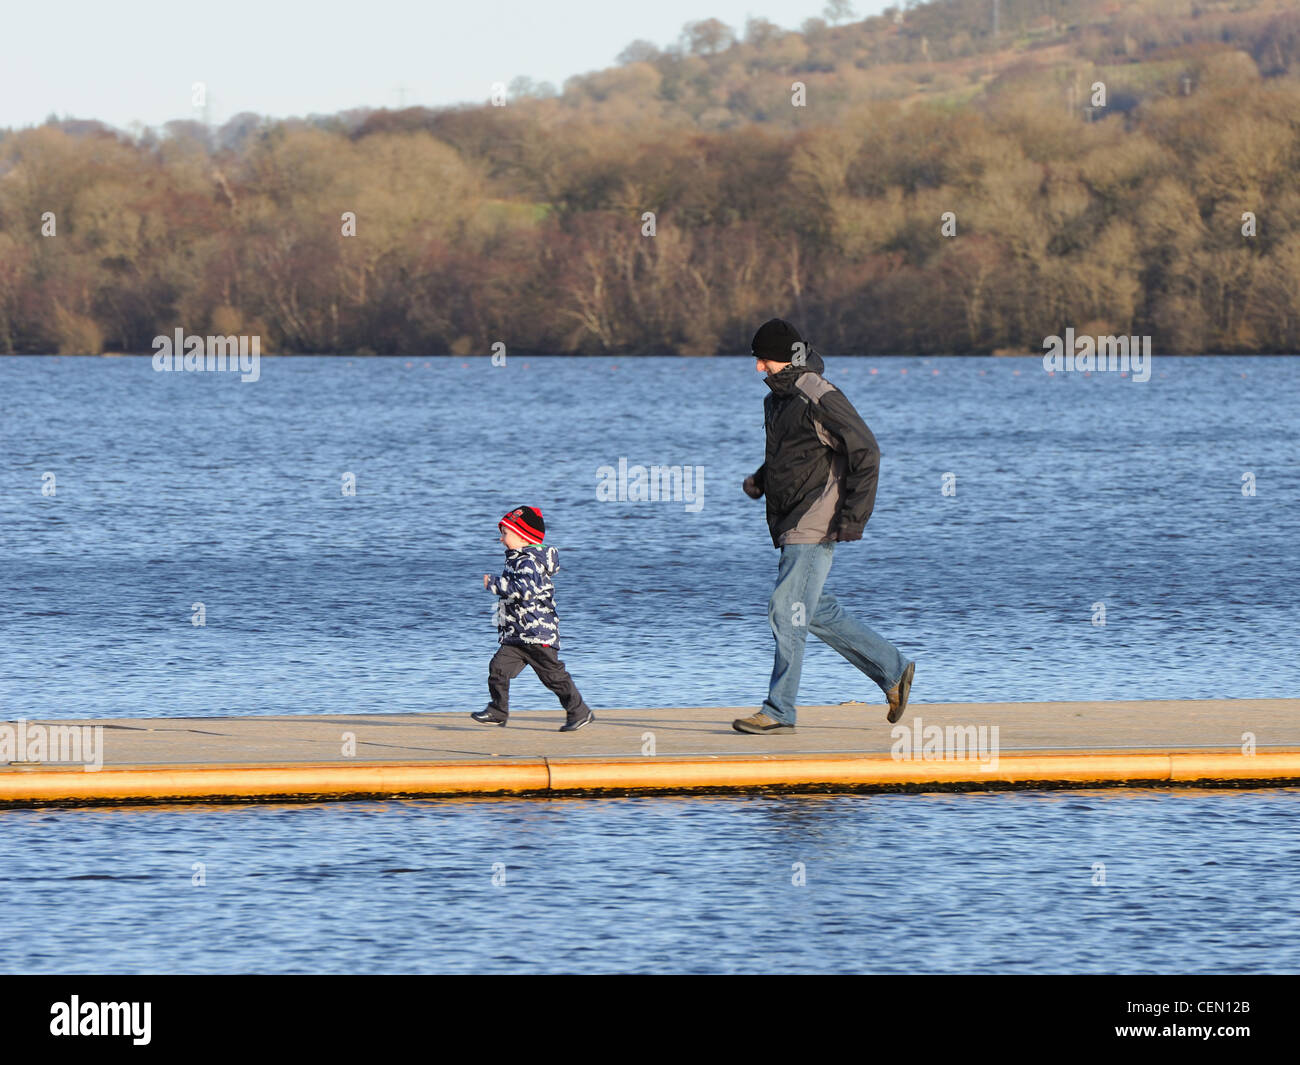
{"type": "Point", "coordinates": [926, 181]}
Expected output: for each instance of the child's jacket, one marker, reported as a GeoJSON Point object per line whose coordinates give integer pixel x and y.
{"type": "Point", "coordinates": [526, 611]}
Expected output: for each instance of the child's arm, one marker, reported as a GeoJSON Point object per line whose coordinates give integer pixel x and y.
{"type": "Point", "coordinates": [522, 583]}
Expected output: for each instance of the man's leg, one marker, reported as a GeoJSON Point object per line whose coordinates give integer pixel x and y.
{"type": "Point", "coordinates": [868, 650]}
{"type": "Point", "coordinates": [506, 664]}
{"type": "Point", "coordinates": [798, 589]}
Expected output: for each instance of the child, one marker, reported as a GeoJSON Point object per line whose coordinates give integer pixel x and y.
{"type": "Point", "coordinates": [527, 623]}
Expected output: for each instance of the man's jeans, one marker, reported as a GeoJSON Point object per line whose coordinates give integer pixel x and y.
{"type": "Point", "coordinates": [798, 607]}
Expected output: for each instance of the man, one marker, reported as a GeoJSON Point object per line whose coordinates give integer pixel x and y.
{"type": "Point", "coordinates": [819, 477]}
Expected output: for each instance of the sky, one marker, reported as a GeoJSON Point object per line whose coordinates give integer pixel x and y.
{"type": "Point", "coordinates": [136, 61]}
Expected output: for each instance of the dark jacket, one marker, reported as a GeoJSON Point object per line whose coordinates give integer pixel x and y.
{"type": "Point", "coordinates": [526, 607]}
{"type": "Point", "coordinates": [822, 461]}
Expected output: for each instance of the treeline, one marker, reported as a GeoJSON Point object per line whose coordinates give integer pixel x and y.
{"type": "Point", "coordinates": [671, 204]}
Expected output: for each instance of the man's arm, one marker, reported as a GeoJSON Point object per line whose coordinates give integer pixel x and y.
{"type": "Point", "coordinates": [863, 462]}
{"type": "Point", "coordinates": [755, 483]}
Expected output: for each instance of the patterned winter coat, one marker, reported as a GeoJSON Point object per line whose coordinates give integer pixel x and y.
{"type": "Point", "coordinates": [526, 610]}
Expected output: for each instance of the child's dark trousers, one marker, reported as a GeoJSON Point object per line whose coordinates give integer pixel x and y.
{"type": "Point", "coordinates": [509, 662]}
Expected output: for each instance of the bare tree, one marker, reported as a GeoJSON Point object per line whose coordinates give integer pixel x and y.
{"type": "Point", "coordinates": [708, 36]}
{"type": "Point", "coordinates": [639, 51]}
{"type": "Point", "coordinates": [837, 11]}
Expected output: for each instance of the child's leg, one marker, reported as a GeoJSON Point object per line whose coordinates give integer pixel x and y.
{"type": "Point", "coordinates": [551, 672]}
{"type": "Point", "coordinates": [506, 664]}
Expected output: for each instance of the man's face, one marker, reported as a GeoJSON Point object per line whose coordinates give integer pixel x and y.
{"type": "Point", "coordinates": [769, 366]}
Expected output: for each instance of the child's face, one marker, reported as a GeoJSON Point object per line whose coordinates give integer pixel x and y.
{"type": "Point", "coordinates": [511, 539]}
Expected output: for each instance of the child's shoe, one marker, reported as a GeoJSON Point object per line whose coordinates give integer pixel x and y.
{"type": "Point", "coordinates": [488, 716]}
{"type": "Point", "coordinates": [576, 721]}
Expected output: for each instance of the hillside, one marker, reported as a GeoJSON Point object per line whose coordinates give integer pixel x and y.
{"type": "Point", "coordinates": [909, 183]}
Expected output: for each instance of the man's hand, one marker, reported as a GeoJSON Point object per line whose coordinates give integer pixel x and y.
{"type": "Point", "coordinates": [487, 579]}
{"type": "Point", "coordinates": [848, 532]}
{"type": "Point", "coordinates": [751, 488]}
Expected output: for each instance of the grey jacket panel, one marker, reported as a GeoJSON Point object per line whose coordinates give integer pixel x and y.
{"type": "Point", "coordinates": [814, 386]}
{"type": "Point", "coordinates": [817, 524]}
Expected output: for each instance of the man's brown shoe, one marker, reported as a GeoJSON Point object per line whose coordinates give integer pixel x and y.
{"type": "Point", "coordinates": [760, 723]}
{"type": "Point", "coordinates": [897, 695]}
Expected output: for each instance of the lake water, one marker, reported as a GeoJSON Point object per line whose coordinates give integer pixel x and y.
{"type": "Point", "coordinates": [172, 490]}
{"type": "Point", "coordinates": [994, 882]}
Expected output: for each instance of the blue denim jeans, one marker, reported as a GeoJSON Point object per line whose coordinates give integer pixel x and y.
{"type": "Point", "coordinates": [799, 606]}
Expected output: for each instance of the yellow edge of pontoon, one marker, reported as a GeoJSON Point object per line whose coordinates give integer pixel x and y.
{"type": "Point", "coordinates": [557, 776]}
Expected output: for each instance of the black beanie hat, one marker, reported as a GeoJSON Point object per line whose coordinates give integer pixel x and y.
{"type": "Point", "coordinates": [527, 522]}
{"type": "Point", "coordinates": [776, 340]}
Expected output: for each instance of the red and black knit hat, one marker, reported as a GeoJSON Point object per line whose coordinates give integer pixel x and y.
{"type": "Point", "coordinates": [526, 522]}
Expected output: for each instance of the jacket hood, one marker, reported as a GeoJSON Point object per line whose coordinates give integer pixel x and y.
{"type": "Point", "coordinates": [783, 382]}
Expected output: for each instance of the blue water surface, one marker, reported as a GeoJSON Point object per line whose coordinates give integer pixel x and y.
{"type": "Point", "coordinates": [1034, 882]}
{"type": "Point", "coordinates": [1072, 492]}
{"type": "Point", "coordinates": [175, 489]}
